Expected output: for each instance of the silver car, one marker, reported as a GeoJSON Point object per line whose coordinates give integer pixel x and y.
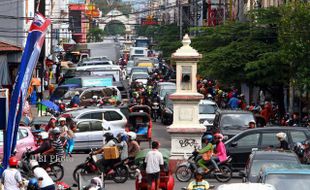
{"type": "Point", "coordinates": [90, 133]}
{"type": "Point", "coordinates": [111, 115]}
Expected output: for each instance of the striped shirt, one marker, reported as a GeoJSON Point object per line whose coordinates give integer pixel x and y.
{"type": "Point", "coordinates": [59, 151]}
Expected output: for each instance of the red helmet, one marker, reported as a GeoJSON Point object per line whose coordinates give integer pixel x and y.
{"type": "Point", "coordinates": [13, 161]}
{"type": "Point", "coordinates": [218, 136]}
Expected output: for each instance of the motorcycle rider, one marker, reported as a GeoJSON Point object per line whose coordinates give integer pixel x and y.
{"type": "Point", "coordinates": [51, 124]}
{"type": "Point", "coordinates": [133, 145]}
{"type": "Point", "coordinates": [45, 181]}
{"type": "Point", "coordinates": [220, 151]}
{"type": "Point", "coordinates": [11, 177]}
{"type": "Point", "coordinates": [33, 184]}
{"type": "Point", "coordinates": [198, 183]}
{"type": "Point", "coordinates": [206, 152]}
{"type": "Point", "coordinates": [109, 142]}
{"type": "Point", "coordinates": [56, 151]}
{"type": "Point", "coordinates": [45, 145]}
{"type": "Point", "coordinates": [75, 101]}
{"type": "Point", "coordinates": [123, 146]}
{"type": "Point", "coordinates": [63, 128]}
{"type": "Point", "coordinates": [283, 143]}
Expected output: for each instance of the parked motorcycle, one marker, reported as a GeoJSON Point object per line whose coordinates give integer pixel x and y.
{"type": "Point", "coordinates": [118, 173]}
{"type": "Point", "coordinates": [185, 171]}
{"type": "Point", "coordinates": [155, 110]}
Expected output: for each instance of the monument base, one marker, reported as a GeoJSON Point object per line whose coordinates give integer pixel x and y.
{"type": "Point", "coordinates": [184, 139]}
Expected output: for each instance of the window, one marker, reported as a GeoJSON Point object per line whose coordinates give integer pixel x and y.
{"type": "Point", "coordinates": [270, 139]}
{"type": "Point", "coordinates": [87, 95]}
{"type": "Point", "coordinates": [96, 126]}
{"type": "Point", "coordinates": [112, 116]}
{"type": "Point", "coordinates": [249, 140]}
{"type": "Point", "coordinates": [86, 116]}
{"type": "Point", "coordinates": [298, 136]}
{"type": "Point", "coordinates": [83, 127]}
{"type": "Point", "coordinates": [22, 133]}
{"type": "Point", "coordinates": [96, 115]}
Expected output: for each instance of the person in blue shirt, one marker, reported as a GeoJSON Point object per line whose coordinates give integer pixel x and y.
{"type": "Point", "coordinates": [75, 99]}
{"type": "Point", "coordinates": [234, 102]}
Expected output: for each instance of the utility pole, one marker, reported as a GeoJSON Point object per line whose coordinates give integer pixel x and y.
{"type": "Point", "coordinates": [180, 19]}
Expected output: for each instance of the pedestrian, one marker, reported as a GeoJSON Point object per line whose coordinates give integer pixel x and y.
{"type": "Point", "coordinates": [154, 162]}
{"type": "Point", "coordinates": [70, 140]}
{"type": "Point", "coordinates": [11, 177]}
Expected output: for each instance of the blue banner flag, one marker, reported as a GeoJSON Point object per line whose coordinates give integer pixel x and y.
{"type": "Point", "coordinates": [35, 40]}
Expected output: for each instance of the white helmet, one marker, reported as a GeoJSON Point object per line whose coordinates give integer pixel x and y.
{"type": "Point", "coordinates": [132, 135]}
{"type": "Point", "coordinates": [281, 135]}
{"type": "Point", "coordinates": [44, 135]}
{"type": "Point", "coordinates": [97, 182]}
{"type": "Point", "coordinates": [61, 119]}
{"type": "Point", "coordinates": [77, 93]}
{"type": "Point", "coordinates": [33, 163]}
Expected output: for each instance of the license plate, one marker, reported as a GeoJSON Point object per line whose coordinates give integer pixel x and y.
{"type": "Point", "coordinates": [155, 107]}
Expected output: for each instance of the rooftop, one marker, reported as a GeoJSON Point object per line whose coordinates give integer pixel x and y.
{"type": "Point", "coordinates": [6, 47]}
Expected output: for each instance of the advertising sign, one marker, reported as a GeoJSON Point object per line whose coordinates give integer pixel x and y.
{"type": "Point", "coordinates": [94, 82]}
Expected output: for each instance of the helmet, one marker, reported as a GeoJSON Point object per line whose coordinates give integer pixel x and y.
{"type": "Point", "coordinates": [62, 119]}
{"type": "Point", "coordinates": [199, 171]}
{"type": "Point", "coordinates": [77, 93]}
{"type": "Point", "coordinates": [122, 136]}
{"type": "Point", "coordinates": [132, 135]}
{"type": "Point", "coordinates": [207, 137]}
{"type": "Point", "coordinates": [33, 182]}
{"type": "Point", "coordinates": [281, 135]}
{"type": "Point", "coordinates": [95, 97]}
{"type": "Point", "coordinates": [53, 119]}
{"type": "Point", "coordinates": [96, 181]}
{"type": "Point", "coordinates": [55, 131]}
{"type": "Point", "coordinates": [33, 163]}
{"type": "Point", "coordinates": [44, 135]}
{"type": "Point", "coordinates": [252, 121]}
{"type": "Point", "coordinates": [108, 136]}
{"type": "Point", "coordinates": [13, 161]}
{"type": "Point", "coordinates": [218, 136]}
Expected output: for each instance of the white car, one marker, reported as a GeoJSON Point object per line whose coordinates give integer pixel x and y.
{"type": "Point", "coordinates": [112, 115]}
{"type": "Point", "coordinates": [207, 109]}
{"type": "Point", "coordinates": [141, 77]}
{"type": "Point", "coordinates": [90, 133]}
{"type": "Point", "coordinates": [246, 186]}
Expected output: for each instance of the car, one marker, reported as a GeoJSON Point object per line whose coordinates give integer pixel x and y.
{"type": "Point", "coordinates": [164, 88]}
{"type": "Point", "coordinates": [143, 77]}
{"type": "Point", "coordinates": [246, 186]}
{"type": "Point", "coordinates": [60, 91]}
{"type": "Point", "coordinates": [129, 66]}
{"type": "Point", "coordinates": [167, 110]}
{"type": "Point", "coordinates": [25, 140]}
{"type": "Point", "coordinates": [231, 122]}
{"type": "Point", "coordinates": [112, 115]}
{"type": "Point", "coordinates": [86, 94]}
{"type": "Point", "coordinates": [138, 70]}
{"type": "Point", "coordinates": [95, 61]}
{"type": "Point", "coordinates": [89, 134]}
{"type": "Point", "coordinates": [258, 158]}
{"type": "Point", "coordinates": [240, 146]}
{"type": "Point", "coordinates": [287, 176]}
{"type": "Point", "coordinates": [207, 110]}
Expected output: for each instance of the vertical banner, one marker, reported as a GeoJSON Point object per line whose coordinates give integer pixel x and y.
{"type": "Point", "coordinates": [35, 40]}
{"type": "Point", "coordinates": [4, 105]}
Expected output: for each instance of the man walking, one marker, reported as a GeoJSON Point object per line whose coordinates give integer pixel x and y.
{"type": "Point", "coordinates": [154, 161]}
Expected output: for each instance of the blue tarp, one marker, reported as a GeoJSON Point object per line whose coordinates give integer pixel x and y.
{"type": "Point", "coordinates": [49, 104]}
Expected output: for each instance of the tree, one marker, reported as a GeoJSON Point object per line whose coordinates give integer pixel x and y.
{"type": "Point", "coordinates": [95, 35]}
{"type": "Point", "coordinates": [115, 28]}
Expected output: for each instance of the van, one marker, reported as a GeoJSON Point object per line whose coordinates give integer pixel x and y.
{"type": "Point", "coordinates": [104, 70]}
{"type": "Point", "coordinates": [138, 52]}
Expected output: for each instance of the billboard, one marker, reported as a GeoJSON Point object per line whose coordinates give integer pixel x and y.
{"type": "Point", "coordinates": [76, 1]}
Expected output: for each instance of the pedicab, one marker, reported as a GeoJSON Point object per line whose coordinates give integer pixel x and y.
{"type": "Point", "coordinates": [166, 177]}
{"type": "Point", "coordinates": [141, 124]}
{"type": "Point", "coordinates": [141, 108]}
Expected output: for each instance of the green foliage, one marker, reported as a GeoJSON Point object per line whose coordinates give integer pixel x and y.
{"type": "Point", "coordinates": [114, 28]}
{"type": "Point", "coordinates": [95, 35]}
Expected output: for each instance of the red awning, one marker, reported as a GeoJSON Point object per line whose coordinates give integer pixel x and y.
{"type": "Point", "coordinates": [5, 47]}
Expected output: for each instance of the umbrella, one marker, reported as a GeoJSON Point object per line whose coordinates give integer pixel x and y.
{"type": "Point", "coordinates": [49, 104]}
{"type": "Point", "coordinates": [141, 155]}
{"type": "Point", "coordinates": [36, 82]}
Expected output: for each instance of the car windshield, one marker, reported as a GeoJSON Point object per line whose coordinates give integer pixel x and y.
{"type": "Point", "coordinates": [130, 64]}
{"type": "Point", "coordinates": [140, 76]}
{"type": "Point", "coordinates": [289, 181]}
{"type": "Point", "coordinates": [207, 108]}
{"type": "Point", "coordinates": [258, 164]}
{"type": "Point", "coordinates": [135, 70]}
{"type": "Point", "coordinates": [236, 121]}
{"type": "Point", "coordinates": [163, 92]}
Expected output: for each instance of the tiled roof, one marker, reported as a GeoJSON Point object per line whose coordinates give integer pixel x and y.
{"type": "Point", "coordinates": [5, 47]}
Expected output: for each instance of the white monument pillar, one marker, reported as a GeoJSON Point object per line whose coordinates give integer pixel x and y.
{"type": "Point", "coordinates": [186, 132]}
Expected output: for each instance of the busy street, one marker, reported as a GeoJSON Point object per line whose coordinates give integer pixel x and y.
{"type": "Point", "coordinates": [154, 95]}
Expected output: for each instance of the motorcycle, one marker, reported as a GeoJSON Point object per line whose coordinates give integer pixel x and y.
{"type": "Point", "coordinates": [118, 173]}
{"type": "Point", "coordinates": [155, 110]}
{"type": "Point", "coordinates": [54, 169]}
{"type": "Point", "coordinates": [185, 171]}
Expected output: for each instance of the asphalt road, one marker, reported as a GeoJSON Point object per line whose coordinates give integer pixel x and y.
{"type": "Point", "coordinates": [160, 134]}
